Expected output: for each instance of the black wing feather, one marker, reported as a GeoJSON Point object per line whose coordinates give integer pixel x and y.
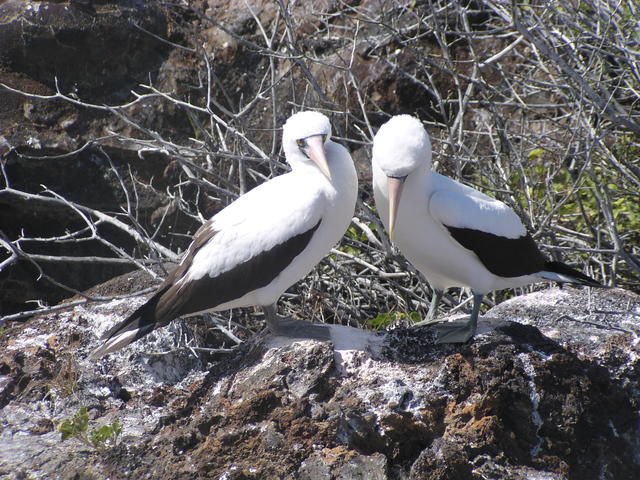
{"type": "Point", "coordinates": [170, 302]}
{"type": "Point", "coordinates": [502, 256]}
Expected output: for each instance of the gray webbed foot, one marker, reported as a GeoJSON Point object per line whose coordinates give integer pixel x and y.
{"type": "Point", "coordinates": [292, 328]}
{"type": "Point", "coordinates": [457, 331]}
{"type": "Point", "coordinates": [431, 320]}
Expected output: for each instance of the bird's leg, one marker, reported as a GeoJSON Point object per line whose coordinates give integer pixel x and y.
{"type": "Point", "coordinates": [433, 308]}
{"type": "Point", "coordinates": [271, 318]}
{"type": "Point", "coordinates": [292, 328]}
{"type": "Point", "coordinates": [460, 332]}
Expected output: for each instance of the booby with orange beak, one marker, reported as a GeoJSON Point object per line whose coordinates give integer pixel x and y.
{"type": "Point", "coordinates": [253, 250]}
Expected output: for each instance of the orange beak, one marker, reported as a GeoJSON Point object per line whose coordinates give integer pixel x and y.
{"type": "Point", "coordinates": [394, 187]}
{"type": "Point", "coordinates": [315, 150]}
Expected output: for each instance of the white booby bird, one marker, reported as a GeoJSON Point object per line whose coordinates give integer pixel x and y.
{"type": "Point", "coordinates": [453, 234]}
{"type": "Point", "coordinates": [249, 253]}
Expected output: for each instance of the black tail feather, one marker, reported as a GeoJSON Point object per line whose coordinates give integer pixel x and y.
{"type": "Point", "coordinates": [577, 277]}
{"type": "Point", "coordinates": [142, 319]}
{"type": "Point", "coordinates": [141, 322]}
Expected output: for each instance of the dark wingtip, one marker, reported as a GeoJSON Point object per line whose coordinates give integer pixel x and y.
{"type": "Point", "coordinates": [141, 321]}
{"type": "Point", "coordinates": [579, 277]}
{"type": "Point", "coordinates": [124, 325]}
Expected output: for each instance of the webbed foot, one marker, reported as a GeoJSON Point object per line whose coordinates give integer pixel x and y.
{"type": "Point", "coordinates": [292, 328]}
{"type": "Point", "coordinates": [457, 331]}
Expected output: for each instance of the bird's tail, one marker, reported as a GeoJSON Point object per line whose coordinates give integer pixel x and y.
{"type": "Point", "coordinates": [135, 326]}
{"type": "Point", "coordinates": [563, 273]}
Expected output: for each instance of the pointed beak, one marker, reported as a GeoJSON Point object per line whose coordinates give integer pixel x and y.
{"type": "Point", "coordinates": [315, 150]}
{"type": "Point", "coordinates": [394, 187]}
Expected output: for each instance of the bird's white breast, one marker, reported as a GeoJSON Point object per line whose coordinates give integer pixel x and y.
{"type": "Point", "coordinates": [272, 213]}
{"type": "Point", "coordinates": [335, 205]}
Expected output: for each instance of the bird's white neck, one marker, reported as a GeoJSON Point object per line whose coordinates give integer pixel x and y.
{"type": "Point", "coordinates": [419, 180]}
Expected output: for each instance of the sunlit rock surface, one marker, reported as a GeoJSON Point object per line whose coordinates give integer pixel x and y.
{"type": "Point", "coordinates": [547, 390]}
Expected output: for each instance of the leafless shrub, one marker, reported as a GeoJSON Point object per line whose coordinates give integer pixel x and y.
{"type": "Point", "coordinates": [533, 102]}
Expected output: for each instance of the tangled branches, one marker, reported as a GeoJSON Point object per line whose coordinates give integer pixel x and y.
{"type": "Point", "coordinates": [535, 104]}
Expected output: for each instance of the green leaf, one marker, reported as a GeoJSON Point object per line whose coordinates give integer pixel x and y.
{"type": "Point", "coordinates": [117, 429]}
{"type": "Point", "coordinates": [105, 435]}
{"type": "Point", "coordinates": [76, 425]}
{"type": "Point", "coordinates": [383, 320]}
{"type": "Point", "coordinates": [535, 154]}
{"type": "Point", "coordinates": [100, 435]}
{"type": "Point", "coordinates": [99, 438]}
{"type": "Point", "coordinates": [66, 429]}
{"type": "Point", "coordinates": [350, 250]}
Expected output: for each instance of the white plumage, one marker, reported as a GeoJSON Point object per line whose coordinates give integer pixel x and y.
{"type": "Point", "coordinates": [275, 211]}
{"type": "Point", "coordinates": [458, 205]}
{"type": "Point", "coordinates": [455, 235]}
{"type": "Point", "coordinates": [253, 250]}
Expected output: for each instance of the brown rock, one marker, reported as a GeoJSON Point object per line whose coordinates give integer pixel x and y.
{"type": "Point", "coordinates": [514, 403]}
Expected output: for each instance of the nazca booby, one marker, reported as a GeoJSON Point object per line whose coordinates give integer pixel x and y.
{"type": "Point", "coordinates": [453, 234]}
{"type": "Point", "coordinates": [249, 253]}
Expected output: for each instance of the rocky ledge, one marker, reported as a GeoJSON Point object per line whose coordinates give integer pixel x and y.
{"type": "Point", "coordinates": [547, 390]}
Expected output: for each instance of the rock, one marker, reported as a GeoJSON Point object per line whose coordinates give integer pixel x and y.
{"type": "Point", "coordinates": [604, 331]}
{"type": "Point", "coordinates": [95, 52]}
{"type": "Point", "coordinates": [555, 400]}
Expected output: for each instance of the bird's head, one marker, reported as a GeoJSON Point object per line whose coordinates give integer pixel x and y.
{"type": "Point", "coordinates": [303, 140]}
{"type": "Point", "coordinates": [400, 147]}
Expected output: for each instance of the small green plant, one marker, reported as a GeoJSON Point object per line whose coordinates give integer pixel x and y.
{"type": "Point", "coordinates": [1, 331]}
{"type": "Point", "coordinates": [100, 438]}
{"type": "Point", "coordinates": [535, 154]}
{"type": "Point", "coordinates": [357, 237]}
{"type": "Point", "coordinates": [383, 320]}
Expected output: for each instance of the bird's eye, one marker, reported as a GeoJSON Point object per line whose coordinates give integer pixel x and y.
{"type": "Point", "coordinates": [300, 143]}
